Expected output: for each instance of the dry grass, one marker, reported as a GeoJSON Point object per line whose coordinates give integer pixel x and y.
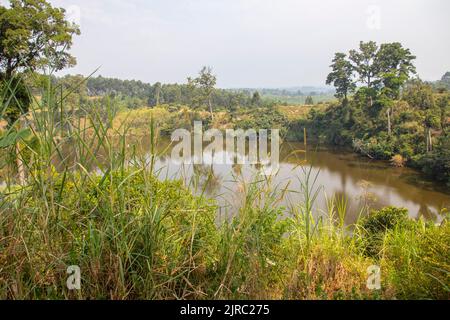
{"type": "Point", "coordinates": [293, 113]}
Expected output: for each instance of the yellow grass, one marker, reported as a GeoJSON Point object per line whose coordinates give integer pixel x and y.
{"type": "Point", "coordinates": [298, 112]}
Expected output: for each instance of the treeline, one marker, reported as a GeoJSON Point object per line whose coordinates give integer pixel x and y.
{"type": "Point", "coordinates": [135, 94]}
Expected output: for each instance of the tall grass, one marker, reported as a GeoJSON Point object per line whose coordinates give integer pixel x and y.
{"type": "Point", "coordinates": [89, 200]}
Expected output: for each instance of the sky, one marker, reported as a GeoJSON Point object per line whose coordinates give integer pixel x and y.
{"type": "Point", "coordinates": [249, 43]}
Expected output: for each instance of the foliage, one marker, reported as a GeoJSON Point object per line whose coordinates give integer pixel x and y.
{"type": "Point", "coordinates": [437, 163]}
{"type": "Point", "coordinates": [15, 99]}
{"type": "Point", "coordinates": [341, 76]}
{"type": "Point", "coordinates": [389, 114]}
{"type": "Point", "coordinates": [136, 235]}
{"type": "Point", "coordinates": [90, 200]}
{"type": "Point", "coordinates": [205, 82]}
{"type": "Point", "coordinates": [444, 83]}
{"type": "Point", "coordinates": [416, 261]}
{"type": "Point", "coordinates": [398, 161]}
{"type": "Point", "coordinates": [375, 226]}
{"type": "Point", "coordinates": [34, 34]}
{"type": "Point", "coordinates": [309, 100]}
{"type": "Point", "coordinates": [262, 118]}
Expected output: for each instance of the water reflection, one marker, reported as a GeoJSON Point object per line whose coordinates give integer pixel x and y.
{"type": "Point", "coordinates": [364, 182]}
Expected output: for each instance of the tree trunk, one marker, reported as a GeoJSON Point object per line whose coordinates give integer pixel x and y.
{"type": "Point", "coordinates": [389, 121]}
{"type": "Point", "coordinates": [429, 139]}
{"type": "Point", "coordinates": [210, 108]}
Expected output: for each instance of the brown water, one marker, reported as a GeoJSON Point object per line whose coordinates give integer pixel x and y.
{"type": "Point", "coordinates": [363, 182]}
{"type": "Point", "coordinates": [360, 180]}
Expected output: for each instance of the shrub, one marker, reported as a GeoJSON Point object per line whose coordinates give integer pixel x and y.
{"type": "Point", "coordinates": [398, 161]}
{"type": "Point", "coordinates": [375, 225]}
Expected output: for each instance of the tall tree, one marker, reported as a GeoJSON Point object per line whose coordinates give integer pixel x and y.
{"type": "Point", "coordinates": [341, 76]}
{"type": "Point", "coordinates": [364, 62]}
{"type": "Point", "coordinates": [33, 34]}
{"type": "Point", "coordinates": [443, 103]}
{"type": "Point", "coordinates": [256, 99]}
{"type": "Point", "coordinates": [206, 82]}
{"type": "Point", "coordinates": [394, 65]}
{"type": "Point", "coordinates": [157, 87]}
{"type": "Point", "coordinates": [309, 100]}
{"type": "Point", "coordinates": [419, 95]}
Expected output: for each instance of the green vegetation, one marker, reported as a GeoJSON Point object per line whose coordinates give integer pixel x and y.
{"type": "Point", "coordinates": [33, 35]}
{"type": "Point", "coordinates": [389, 114]}
{"type": "Point", "coordinates": [76, 192]}
{"type": "Point", "coordinates": [136, 235]}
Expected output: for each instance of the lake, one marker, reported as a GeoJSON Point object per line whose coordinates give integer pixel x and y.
{"type": "Point", "coordinates": [363, 182]}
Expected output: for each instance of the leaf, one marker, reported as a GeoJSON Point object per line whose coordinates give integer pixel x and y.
{"type": "Point", "coordinates": [13, 137]}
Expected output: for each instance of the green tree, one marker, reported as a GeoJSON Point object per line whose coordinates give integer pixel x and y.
{"type": "Point", "coordinates": [206, 82]}
{"type": "Point", "coordinates": [256, 99]}
{"type": "Point", "coordinates": [364, 62]}
{"type": "Point", "coordinates": [33, 35]}
{"type": "Point", "coordinates": [157, 89]}
{"type": "Point", "coordinates": [341, 76]}
{"type": "Point", "coordinates": [309, 100]}
{"type": "Point", "coordinates": [443, 103]}
{"type": "Point", "coordinates": [394, 66]}
{"type": "Point", "coordinates": [419, 95]}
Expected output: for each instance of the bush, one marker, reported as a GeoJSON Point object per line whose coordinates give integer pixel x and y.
{"type": "Point", "coordinates": [398, 161]}
{"type": "Point", "coordinates": [437, 163]}
{"type": "Point", "coordinates": [262, 118]}
{"type": "Point", "coordinates": [375, 225]}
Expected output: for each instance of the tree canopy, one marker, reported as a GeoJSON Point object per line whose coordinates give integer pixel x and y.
{"type": "Point", "coordinates": [34, 34]}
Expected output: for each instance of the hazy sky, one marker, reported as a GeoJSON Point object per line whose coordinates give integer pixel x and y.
{"type": "Point", "coordinates": [250, 43]}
